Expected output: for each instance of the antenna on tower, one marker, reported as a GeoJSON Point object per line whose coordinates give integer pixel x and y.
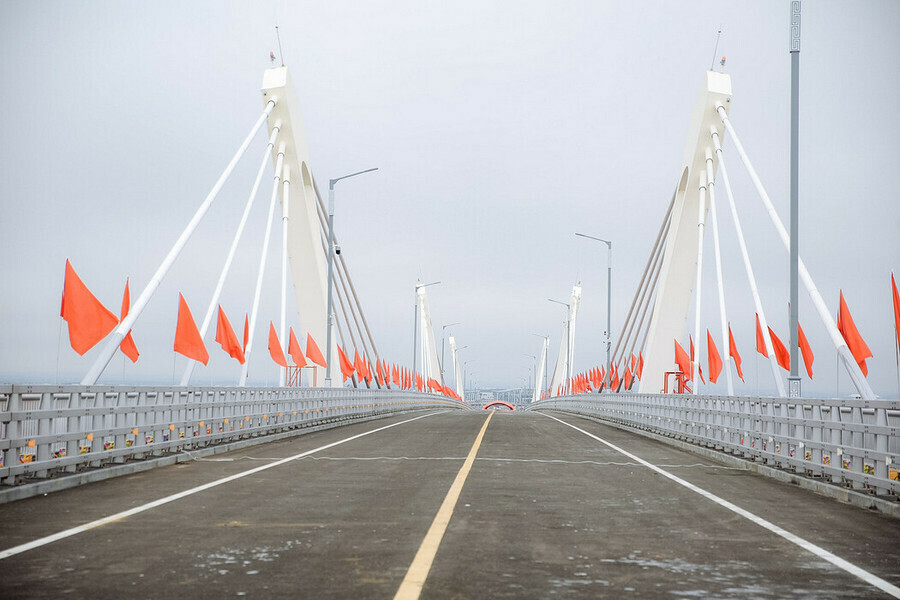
{"type": "Point", "coordinates": [281, 52]}
{"type": "Point", "coordinates": [715, 51]}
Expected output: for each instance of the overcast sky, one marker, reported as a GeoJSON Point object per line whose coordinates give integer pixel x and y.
{"type": "Point", "coordinates": [499, 128]}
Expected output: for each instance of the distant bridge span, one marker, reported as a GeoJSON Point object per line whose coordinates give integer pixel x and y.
{"type": "Point", "coordinates": [496, 403]}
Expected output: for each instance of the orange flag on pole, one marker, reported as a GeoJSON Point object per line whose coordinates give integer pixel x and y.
{"type": "Point", "coordinates": [246, 332]}
{"type": "Point", "coordinates": [713, 358]}
{"type": "Point", "coordinates": [226, 337]}
{"type": "Point", "coordinates": [187, 338]}
{"type": "Point", "coordinates": [346, 367]}
{"type": "Point", "coordinates": [275, 349]}
{"type": "Point", "coordinates": [313, 353]}
{"type": "Point", "coordinates": [128, 346]}
{"type": "Point", "coordinates": [294, 350]}
{"type": "Point", "coordinates": [628, 378]}
{"type": "Point", "coordinates": [89, 321]}
{"type": "Point", "coordinates": [896, 298]}
{"type": "Point", "coordinates": [684, 362]}
{"type": "Point", "coordinates": [805, 350]}
{"type": "Point", "coordinates": [782, 356]}
{"type": "Point", "coordinates": [855, 342]}
{"type": "Point", "coordinates": [760, 340]}
{"type": "Point", "coordinates": [733, 353]}
{"type": "Point", "coordinates": [640, 369]}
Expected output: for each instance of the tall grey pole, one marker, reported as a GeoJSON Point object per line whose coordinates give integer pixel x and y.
{"type": "Point", "coordinates": [329, 299]}
{"type": "Point", "coordinates": [415, 329]}
{"type": "Point", "coordinates": [608, 308]}
{"type": "Point", "coordinates": [330, 280]}
{"type": "Point", "coordinates": [794, 379]}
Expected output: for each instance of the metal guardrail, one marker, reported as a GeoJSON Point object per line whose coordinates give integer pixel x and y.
{"type": "Point", "coordinates": [855, 443]}
{"type": "Point", "coordinates": [46, 429]}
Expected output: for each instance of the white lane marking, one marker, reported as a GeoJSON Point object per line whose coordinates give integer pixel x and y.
{"type": "Point", "coordinates": [144, 507]}
{"type": "Point", "coordinates": [822, 553]}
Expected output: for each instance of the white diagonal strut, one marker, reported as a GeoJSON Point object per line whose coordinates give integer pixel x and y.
{"type": "Point", "coordinates": [135, 311]}
{"type": "Point", "coordinates": [701, 222]}
{"type": "Point", "coordinates": [721, 284]}
{"type": "Point", "coordinates": [210, 311]}
{"type": "Point", "coordinates": [254, 312]}
{"type": "Point", "coordinates": [764, 326]}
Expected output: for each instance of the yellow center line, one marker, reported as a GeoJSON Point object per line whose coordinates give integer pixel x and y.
{"type": "Point", "coordinates": [412, 584]}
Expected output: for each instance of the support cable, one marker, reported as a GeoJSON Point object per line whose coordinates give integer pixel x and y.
{"type": "Point", "coordinates": [764, 327]}
{"type": "Point", "coordinates": [701, 224]}
{"type": "Point", "coordinates": [711, 184]}
{"type": "Point", "coordinates": [135, 311]}
{"type": "Point", "coordinates": [210, 311]}
{"type": "Point", "coordinates": [254, 312]}
{"type": "Point", "coordinates": [640, 293]}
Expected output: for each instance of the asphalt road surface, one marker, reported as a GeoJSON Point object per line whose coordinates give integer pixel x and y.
{"type": "Point", "coordinates": [540, 510]}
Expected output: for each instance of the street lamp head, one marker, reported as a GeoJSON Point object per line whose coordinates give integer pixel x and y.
{"type": "Point", "coordinates": [590, 237]}
{"type": "Point", "coordinates": [331, 182]}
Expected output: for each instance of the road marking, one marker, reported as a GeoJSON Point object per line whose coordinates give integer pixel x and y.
{"type": "Point", "coordinates": [139, 509]}
{"type": "Point", "coordinates": [411, 587]}
{"type": "Point", "coordinates": [822, 553]}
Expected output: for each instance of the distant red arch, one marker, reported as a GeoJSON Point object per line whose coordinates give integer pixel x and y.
{"type": "Point", "coordinates": [490, 405]}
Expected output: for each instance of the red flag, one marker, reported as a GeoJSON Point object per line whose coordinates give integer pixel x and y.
{"type": "Point", "coordinates": [313, 353]}
{"type": "Point", "coordinates": [760, 340]}
{"type": "Point", "coordinates": [854, 340]}
{"type": "Point", "coordinates": [805, 350]}
{"type": "Point", "coordinates": [128, 346]}
{"type": "Point", "coordinates": [684, 362]}
{"type": "Point", "coordinates": [713, 358]}
{"type": "Point", "coordinates": [294, 350]}
{"type": "Point", "coordinates": [615, 380]}
{"type": "Point", "coordinates": [896, 297]}
{"type": "Point", "coordinates": [640, 369]}
{"type": "Point", "coordinates": [275, 346]}
{"type": "Point", "coordinates": [89, 321]}
{"type": "Point", "coordinates": [227, 339]}
{"type": "Point", "coordinates": [246, 332]}
{"type": "Point", "coordinates": [628, 377]}
{"type": "Point", "coordinates": [359, 366]}
{"type": "Point", "coordinates": [395, 375]}
{"type": "Point", "coordinates": [347, 368]}
{"type": "Point", "coordinates": [187, 338]}
{"type": "Point", "coordinates": [633, 361]}
{"type": "Point", "coordinates": [782, 356]}
{"type": "Point", "coordinates": [733, 353]}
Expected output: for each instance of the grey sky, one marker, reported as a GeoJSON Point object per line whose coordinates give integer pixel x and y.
{"type": "Point", "coordinates": [500, 128]}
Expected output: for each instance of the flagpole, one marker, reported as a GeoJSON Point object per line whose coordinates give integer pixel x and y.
{"type": "Point", "coordinates": [189, 369]}
{"type": "Point", "coordinates": [127, 323]}
{"type": "Point", "coordinates": [262, 265]}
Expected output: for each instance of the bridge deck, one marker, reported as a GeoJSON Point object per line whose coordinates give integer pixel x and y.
{"type": "Point", "coordinates": [545, 511]}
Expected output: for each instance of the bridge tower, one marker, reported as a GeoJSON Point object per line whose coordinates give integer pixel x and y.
{"type": "Point", "coordinates": [676, 281]}
{"type": "Point", "coordinates": [305, 252]}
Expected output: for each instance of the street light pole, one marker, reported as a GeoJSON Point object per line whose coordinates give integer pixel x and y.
{"type": "Point", "coordinates": [416, 320]}
{"type": "Point", "coordinates": [329, 300]}
{"type": "Point", "coordinates": [608, 300]}
{"type": "Point", "coordinates": [443, 328]}
{"type": "Point", "coordinates": [568, 341]}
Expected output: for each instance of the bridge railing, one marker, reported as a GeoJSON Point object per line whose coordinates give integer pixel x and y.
{"type": "Point", "coordinates": [45, 430]}
{"type": "Point", "coordinates": [855, 443]}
